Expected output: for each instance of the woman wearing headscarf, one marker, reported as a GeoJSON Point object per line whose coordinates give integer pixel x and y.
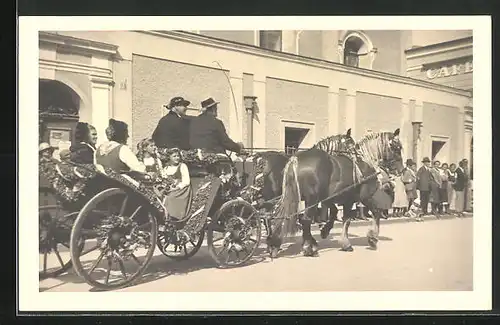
{"type": "Point", "coordinates": [83, 149]}
{"type": "Point", "coordinates": [178, 200]}
{"type": "Point", "coordinates": [115, 154]}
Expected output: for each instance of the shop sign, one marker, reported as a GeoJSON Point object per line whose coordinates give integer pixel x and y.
{"type": "Point", "coordinates": [453, 70]}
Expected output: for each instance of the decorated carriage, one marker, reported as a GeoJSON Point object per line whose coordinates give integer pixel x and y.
{"type": "Point", "coordinates": [112, 222]}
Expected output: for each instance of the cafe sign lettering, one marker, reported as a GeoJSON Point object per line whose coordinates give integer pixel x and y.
{"type": "Point", "coordinates": [453, 70]}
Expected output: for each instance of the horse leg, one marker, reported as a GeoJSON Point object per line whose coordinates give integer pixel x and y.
{"type": "Point", "coordinates": [346, 221]}
{"type": "Point", "coordinates": [309, 244]}
{"type": "Point", "coordinates": [274, 240]}
{"type": "Point", "coordinates": [373, 233]}
{"type": "Point", "coordinates": [325, 230]}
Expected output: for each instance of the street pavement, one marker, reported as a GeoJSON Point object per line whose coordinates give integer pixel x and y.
{"type": "Point", "coordinates": [434, 255]}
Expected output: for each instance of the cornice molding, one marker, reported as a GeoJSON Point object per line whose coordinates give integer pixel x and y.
{"type": "Point", "coordinates": [76, 67]}
{"type": "Point", "coordinates": [78, 44]}
{"type": "Point", "coordinates": [253, 50]}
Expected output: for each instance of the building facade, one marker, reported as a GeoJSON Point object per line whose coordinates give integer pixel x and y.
{"type": "Point", "coordinates": [277, 88]}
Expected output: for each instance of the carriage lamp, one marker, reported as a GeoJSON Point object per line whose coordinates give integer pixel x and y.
{"type": "Point", "coordinates": [249, 102]}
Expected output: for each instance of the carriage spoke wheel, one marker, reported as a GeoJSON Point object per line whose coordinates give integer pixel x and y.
{"type": "Point", "coordinates": [178, 244]}
{"type": "Point", "coordinates": [234, 234]}
{"type": "Point", "coordinates": [123, 231]}
{"type": "Point", "coordinates": [54, 232]}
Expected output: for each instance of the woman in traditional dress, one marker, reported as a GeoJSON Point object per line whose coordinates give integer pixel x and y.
{"type": "Point", "coordinates": [177, 201]}
{"type": "Point", "coordinates": [85, 139]}
{"type": "Point", "coordinates": [400, 199]}
{"type": "Point", "coordinates": [443, 190]}
{"type": "Point", "coordinates": [115, 154]}
{"type": "Point", "coordinates": [148, 154]}
{"type": "Point", "coordinates": [452, 177]}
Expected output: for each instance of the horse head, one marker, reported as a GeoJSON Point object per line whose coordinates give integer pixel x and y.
{"type": "Point", "coordinates": [347, 142]}
{"type": "Point", "coordinates": [382, 149]}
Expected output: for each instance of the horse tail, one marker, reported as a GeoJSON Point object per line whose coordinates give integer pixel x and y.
{"type": "Point", "coordinates": [288, 206]}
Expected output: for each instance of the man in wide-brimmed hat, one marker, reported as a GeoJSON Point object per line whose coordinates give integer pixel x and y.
{"type": "Point", "coordinates": [424, 179]}
{"type": "Point", "coordinates": [172, 130]}
{"type": "Point", "coordinates": [207, 132]}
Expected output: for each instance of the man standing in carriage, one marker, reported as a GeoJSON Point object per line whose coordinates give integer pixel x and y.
{"type": "Point", "coordinates": [172, 130]}
{"type": "Point", "coordinates": [208, 133]}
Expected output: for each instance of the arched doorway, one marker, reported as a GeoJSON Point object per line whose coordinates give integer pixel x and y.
{"type": "Point", "coordinates": [59, 107]}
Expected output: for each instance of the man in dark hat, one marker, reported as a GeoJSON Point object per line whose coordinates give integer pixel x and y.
{"type": "Point", "coordinates": [207, 132]}
{"type": "Point", "coordinates": [424, 179]}
{"type": "Point", "coordinates": [172, 130]}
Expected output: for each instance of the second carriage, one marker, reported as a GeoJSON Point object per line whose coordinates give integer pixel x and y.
{"type": "Point", "coordinates": [115, 232]}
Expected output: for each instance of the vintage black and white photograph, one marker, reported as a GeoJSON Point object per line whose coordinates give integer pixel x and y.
{"type": "Point", "coordinates": [222, 159]}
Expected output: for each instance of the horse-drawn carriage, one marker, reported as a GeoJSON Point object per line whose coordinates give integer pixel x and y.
{"type": "Point", "coordinates": [118, 220]}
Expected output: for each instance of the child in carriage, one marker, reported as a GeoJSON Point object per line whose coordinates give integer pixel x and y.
{"type": "Point", "coordinates": [147, 153]}
{"type": "Point", "coordinates": [61, 175]}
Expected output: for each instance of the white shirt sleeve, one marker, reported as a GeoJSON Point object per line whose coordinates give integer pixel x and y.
{"type": "Point", "coordinates": [128, 158]}
{"type": "Point", "coordinates": [186, 180]}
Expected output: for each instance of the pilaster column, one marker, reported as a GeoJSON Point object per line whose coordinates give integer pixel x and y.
{"type": "Point", "coordinates": [333, 111]}
{"type": "Point", "coordinates": [259, 126]}
{"type": "Point", "coordinates": [406, 128]}
{"type": "Point", "coordinates": [350, 113]}
{"type": "Point", "coordinates": [101, 106]}
{"type": "Point", "coordinates": [102, 102]}
{"type": "Point", "coordinates": [288, 39]}
{"type": "Point", "coordinates": [417, 117]}
{"type": "Point", "coordinates": [468, 133]}
{"type": "Point", "coordinates": [460, 145]}
{"type": "Point", "coordinates": [236, 113]}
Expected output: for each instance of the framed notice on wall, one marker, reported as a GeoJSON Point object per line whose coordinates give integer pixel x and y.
{"type": "Point", "coordinates": [59, 135]}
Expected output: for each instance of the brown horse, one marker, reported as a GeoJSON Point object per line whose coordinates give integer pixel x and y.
{"type": "Point", "coordinates": [320, 178]}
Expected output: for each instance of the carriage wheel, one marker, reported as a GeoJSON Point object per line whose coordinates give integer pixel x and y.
{"type": "Point", "coordinates": [54, 232]}
{"type": "Point", "coordinates": [234, 233]}
{"type": "Point", "coordinates": [178, 245]}
{"type": "Point", "coordinates": [54, 241]}
{"type": "Point", "coordinates": [123, 230]}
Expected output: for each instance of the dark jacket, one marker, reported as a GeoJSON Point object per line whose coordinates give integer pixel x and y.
{"type": "Point", "coordinates": [81, 153]}
{"type": "Point", "coordinates": [208, 133]}
{"type": "Point", "coordinates": [424, 179]}
{"type": "Point", "coordinates": [460, 182]}
{"type": "Point", "coordinates": [172, 131]}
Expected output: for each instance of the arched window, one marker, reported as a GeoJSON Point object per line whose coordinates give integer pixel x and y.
{"type": "Point", "coordinates": [356, 50]}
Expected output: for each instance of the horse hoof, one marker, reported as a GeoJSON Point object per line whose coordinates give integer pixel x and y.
{"type": "Point", "coordinates": [347, 249]}
{"type": "Point", "coordinates": [372, 242]}
{"type": "Point", "coordinates": [324, 233]}
{"type": "Point", "coordinates": [274, 253]}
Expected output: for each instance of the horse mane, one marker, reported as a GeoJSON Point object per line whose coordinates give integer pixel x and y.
{"type": "Point", "coordinates": [330, 144]}
{"type": "Point", "coordinates": [373, 147]}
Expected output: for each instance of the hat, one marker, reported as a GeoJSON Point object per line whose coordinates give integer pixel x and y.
{"type": "Point", "coordinates": [410, 162]}
{"type": "Point", "coordinates": [426, 159]}
{"type": "Point", "coordinates": [177, 101]}
{"type": "Point", "coordinates": [207, 103]}
{"type": "Point", "coordinates": [118, 125]}
{"type": "Point", "coordinates": [44, 146]}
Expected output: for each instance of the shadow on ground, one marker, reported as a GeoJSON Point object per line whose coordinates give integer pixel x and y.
{"type": "Point", "coordinates": [162, 266]}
